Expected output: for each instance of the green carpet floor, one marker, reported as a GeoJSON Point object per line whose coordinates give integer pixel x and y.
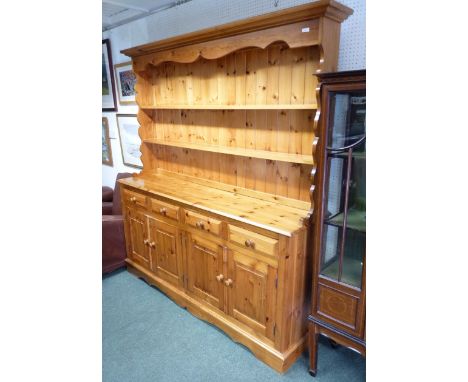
{"type": "Point", "coordinates": [147, 337]}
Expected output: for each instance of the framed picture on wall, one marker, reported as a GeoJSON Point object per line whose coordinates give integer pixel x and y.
{"type": "Point", "coordinates": [109, 102]}
{"type": "Point", "coordinates": [125, 83]}
{"type": "Point", "coordinates": [130, 141]}
{"type": "Point", "coordinates": [106, 145]}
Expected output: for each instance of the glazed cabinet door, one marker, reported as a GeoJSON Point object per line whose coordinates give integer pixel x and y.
{"type": "Point", "coordinates": [205, 270]}
{"type": "Point", "coordinates": [252, 286]}
{"type": "Point", "coordinates": [137, 248]}
{"type": "Point", "coordinates": [341, 230]}
{"type": "Point", "coordinates": [165, 251]}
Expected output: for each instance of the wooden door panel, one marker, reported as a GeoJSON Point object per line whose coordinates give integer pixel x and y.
{"type": "Point", "coordinates": [138, 235]}
{"type": "Point", "coordinates": [252, 294]}
{"type": "Point", "coordinates": [205, 263]}
{"type": "Point", "coordinates": [165, 251]}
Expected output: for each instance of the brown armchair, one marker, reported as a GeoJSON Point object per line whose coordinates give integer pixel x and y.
{"type": "Point", "coordinates": [113, 237]}
{"type": "Point", "coordinates": [107, 198]}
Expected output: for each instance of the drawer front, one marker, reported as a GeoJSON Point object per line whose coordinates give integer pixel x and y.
{"type": "Point", "coordinates": [134, 198]}
{"type": "Point", "coordinates": [203, 223]}
{"type": "Point", "coordinates": [164, 209]}
{"type": "Point", "coordinates": [253, 240]}
{"type": "Point", "coordinates": [337, 307]}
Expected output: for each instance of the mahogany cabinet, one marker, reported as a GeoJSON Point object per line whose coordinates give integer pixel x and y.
{"type": "Point", "coordinates": [339, 247]}
{"type": "Point", "coordinates": [218, 218]}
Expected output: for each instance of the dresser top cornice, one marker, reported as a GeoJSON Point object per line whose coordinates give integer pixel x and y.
{"type": "Point", "coordinates": [323, 8]}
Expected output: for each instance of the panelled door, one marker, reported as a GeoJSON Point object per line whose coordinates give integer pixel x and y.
{"type": "Point", "coordinates": [252, 286]}
{"type": "Point", "coordinates": [165, 251]}
{"type": "Point", "coordinates": [138, 237]}
{"type": "Point", "coordinates": [205, 270]}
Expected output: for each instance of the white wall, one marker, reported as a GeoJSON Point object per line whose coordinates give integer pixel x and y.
{"type": "Point", "coordinates": [200, 14]}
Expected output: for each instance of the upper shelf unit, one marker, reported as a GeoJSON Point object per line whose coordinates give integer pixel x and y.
{"type": "Point", "coordinates": [237, 103]}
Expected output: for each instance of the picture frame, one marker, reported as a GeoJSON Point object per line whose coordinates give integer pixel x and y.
{"type": "Point", "coordinates": [106, 143]}
{"type": "Point", "coordinates": [109, 101]}
{"type": "Point", "coordinates": [130, 141]}
{"type": "Point", "coordinates": [126, 81]}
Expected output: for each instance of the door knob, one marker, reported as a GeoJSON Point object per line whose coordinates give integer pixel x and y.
{"type": "Point", "coordinates": [152, 244]}
{"type": "Point", "coordinates": [199, 224]}
{"type": "Point", "coordinates": [220, 277]}
{"type": "Point", "coordinates": [133, 199]}
{"type": "Point", "coordinates": [250, 243]}
{"type": "Point", "coordinates": [228, 282]}
{"type": "Point", "coordinates": [146, 242]}
{"type": "Point", "coordinates": [163, 211]}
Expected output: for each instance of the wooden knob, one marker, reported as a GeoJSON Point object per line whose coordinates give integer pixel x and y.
{"type": "Point", "coordinates": [133, 199]}
{"type": "Point", "coordinates": [250, 243]}
{"type": "Point", "coordinates": [163, 211]}
{"type": "Point", "coordinates": [146, 242]}
{"type": "Point", "coordinates": [199, 224]}
{"type": "Point", "coordinates": [220, 277]}
{"type": "Point", "coordinates": [152, 244]}
{"type": "Point", "coordinates": [228, 282]}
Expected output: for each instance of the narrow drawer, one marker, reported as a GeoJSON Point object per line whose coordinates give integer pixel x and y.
{"type": "Point", "coordinates": [203, 223]}
{"type": "Point", "coordinates": [134, 198]}
{"type": "Point", "coordinates": [253, 240]}
{"type": "Point", "coordinates": [165, 209]}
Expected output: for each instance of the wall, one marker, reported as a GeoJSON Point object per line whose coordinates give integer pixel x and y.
{"type": "Point", "coordinates": [200, 14]}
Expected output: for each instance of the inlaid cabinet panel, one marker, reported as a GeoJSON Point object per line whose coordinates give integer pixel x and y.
{"type": "Point", "coordinates": [252, 292]}
{"type": "Point", "coordinates": [165, 251]}
{"type": "Point", "coordinates": [337, 305]}
{"type": "Point", "coordinates": [205, 270]}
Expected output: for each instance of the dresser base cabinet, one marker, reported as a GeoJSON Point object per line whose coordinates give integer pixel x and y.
{"type": "Point", "coordinates": [249, 282]}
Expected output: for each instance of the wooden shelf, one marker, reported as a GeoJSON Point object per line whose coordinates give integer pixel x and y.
{"type": "Point", "coordinates": [252, 153]}
{"type": "Point", "coordinates": [234, 107]}
{"type": "Point", "coordinates": [352, 271]}
{"type": "Point", "coordinates": [266, 214]}
{"type": "Point", "coordinates": [356, 220]}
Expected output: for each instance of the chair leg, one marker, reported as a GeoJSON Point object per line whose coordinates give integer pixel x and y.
{"type": "Point", "coordinates": [313, 344]}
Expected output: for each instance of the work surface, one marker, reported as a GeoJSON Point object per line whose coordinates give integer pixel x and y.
{"type": "Point", "coordinates": [265, 214]}
{"type": "Point", "coordinates": [147, 338]}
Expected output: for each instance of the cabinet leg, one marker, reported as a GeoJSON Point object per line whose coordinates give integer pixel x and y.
{"type": "Point", "coordinates": [313, 344]}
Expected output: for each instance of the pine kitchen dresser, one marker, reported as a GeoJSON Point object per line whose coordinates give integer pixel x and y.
{"type": "Point", "coordinates": [218, 217]}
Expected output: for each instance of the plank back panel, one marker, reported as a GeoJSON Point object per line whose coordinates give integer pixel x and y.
{"type": "Point", "coordinates": [287, 131]}
{"type": "Point", "coordinates": [277, 74]}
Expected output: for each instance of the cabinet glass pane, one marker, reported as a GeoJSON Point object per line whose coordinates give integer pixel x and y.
{"type": "Point", "coordinates": [331, 245]}
{"type": "Point", "coordinates": [347, 123]}
{"type": "Point", "coordinates": [344, 228]}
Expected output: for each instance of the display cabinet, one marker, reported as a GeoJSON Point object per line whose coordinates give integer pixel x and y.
{"type": "Point", "coordinates": [339, 247]}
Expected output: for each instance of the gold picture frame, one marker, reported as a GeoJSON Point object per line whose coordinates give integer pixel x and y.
{"type": "Point", "coordinates": [130, 141]}
{"type": "Point", "coordinates": [126, 81]}
{"type": "Point", "coordinates": [106, 144]}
